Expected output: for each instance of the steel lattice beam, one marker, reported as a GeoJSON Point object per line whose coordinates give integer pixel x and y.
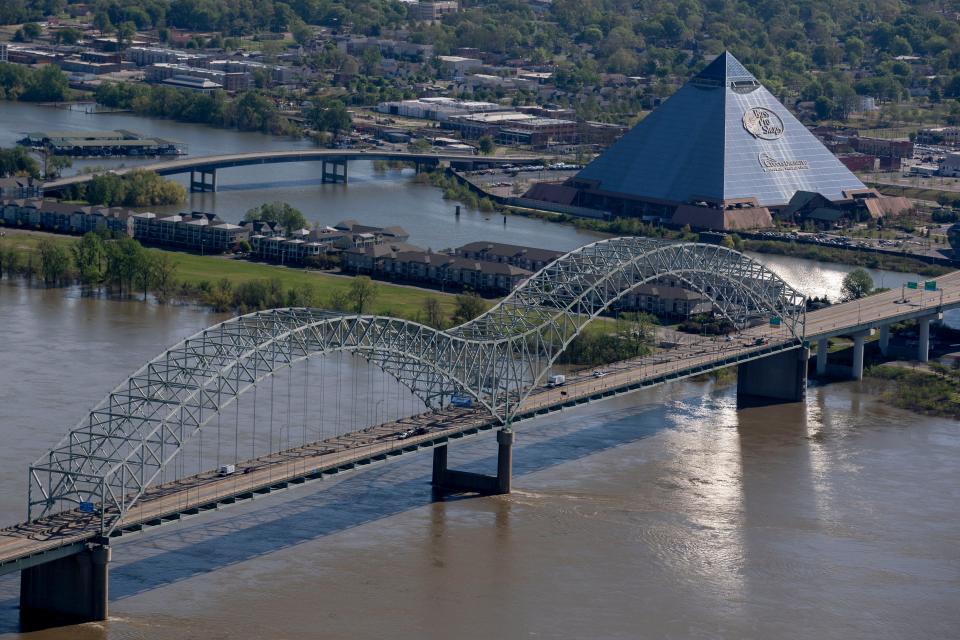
{"type": "Point", "coordinates": [120, 449]}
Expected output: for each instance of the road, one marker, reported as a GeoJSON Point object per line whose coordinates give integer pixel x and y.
{"type": "Point", "coordinates": [183, 165]}
{"type": "Point", "coordinates": [26, 542]}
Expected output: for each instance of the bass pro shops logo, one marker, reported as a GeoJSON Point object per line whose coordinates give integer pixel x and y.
{"type": "Point", "coordinates": [762, 123]}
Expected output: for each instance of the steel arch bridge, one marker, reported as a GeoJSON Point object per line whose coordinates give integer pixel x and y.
{"type": "Point", "coordinates": [121, 448]}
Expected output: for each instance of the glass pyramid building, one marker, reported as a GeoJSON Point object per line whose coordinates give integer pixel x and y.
{"type": "Point", "coordinates": [722, 140]}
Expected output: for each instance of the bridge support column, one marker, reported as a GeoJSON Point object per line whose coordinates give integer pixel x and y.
{"type": "Point", "coordinates": [884, 338]}
{"type": "Point", "coordinates": [923, 345]}
{"type": "Point", "coordinates": [451, 481]}
{"type": "Point", "coordinates": [823, 349]}
{"type": "Point", "coordinates": [778, 378]}
{"type": "Point", "coordinates": [203, 185]}
{"type": "Point", "coordinates": [334, 171]}
{"type": "Point", "coordinates": [69, 590]}
{"type": "Point", "coordinates": [856, 367]}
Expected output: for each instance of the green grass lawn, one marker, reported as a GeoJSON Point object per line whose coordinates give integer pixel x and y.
{"type": "Point", "coordinates": [194, 269]}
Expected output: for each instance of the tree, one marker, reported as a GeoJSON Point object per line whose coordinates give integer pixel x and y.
{"type": "Point", "coordinates": [469, 306]}
{"type": "Point", "coordinates": [145, 272]}
{"type": "Point", "coordinates": [102, 23]}
{"type": "Point", "coordinates": [856, 284]}
{"type": "Point", "coordinates": [89, 254]}
{"type": "Point", "coordinates": [10, 260]}
{"type": "Point", "coordinates": [419, 146]}
{"type": "Point", "coordinates": [486, 145]}
{"type": "Point", "coordinates": [281, 213]}
{"type": "Point", "coordinates": [362, 293]}
{"type": "Point", "coordinates": [124, 257]}
{"type": "Point", "coordinates": [49, 84]}
{"type": "Point", "coordinates": [18, 162]}
{"type": "Point", "coordinates": [54, 261]}
{"type": "Point", "coordinates": [55, 165]}
{"type": "Point", "coordinates": [329, 115]}
{"type": "Point", "coordinates": [164, 276]}
{"type": "Point", "coordinates": [125, 32]}
{"type": "Point", "coordinates": [434, 313]}
{"type": "Point", "coordinates": [31, 31]}
{"type": "Point", "coordinates": [68, 36]}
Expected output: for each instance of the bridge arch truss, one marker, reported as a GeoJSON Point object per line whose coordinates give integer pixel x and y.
{"type": "Point", "coordinates": [121, 448]}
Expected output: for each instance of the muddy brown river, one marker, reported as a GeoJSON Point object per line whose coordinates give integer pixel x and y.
{"type": "Point", "coordinates": [665, 514]}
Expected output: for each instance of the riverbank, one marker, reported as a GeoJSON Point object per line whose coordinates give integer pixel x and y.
{"type": "Point", "coordinates": [933, 391]}
{"type": "Point", "coordinates": [870, 260]}
{"type": "Point", "coordinates": [198, 275]}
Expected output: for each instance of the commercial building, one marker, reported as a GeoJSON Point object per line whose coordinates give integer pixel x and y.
{"type": "Point", "coordinates": [458, 66]}
{"type": "Point", "coordinates": [187, 77]}
{"type": "Point", "coordinates": [299, 247]}
{"type": "Point", "coordinates": [439, 109]}
{"type": "Point", "coordinates": [882, 147]}
{"type": "Point", "coordinates": [60, 217]}
{"type": "Point", "coordinates": [19, 188]}
{"type": "Point", "coordinates": [529, 258]}
{"type": "Point", "coordinates": [721, 153]}
{"type": "Point", "coordinates": [951, 165]}
{"type": "Point", "coordinates": [949, 136]}
{"type": "Point", "coordinates": [198, 231]}
{"type": "Point", "coordinates": [667, 299]}
{"type": "Point", "coordinates": [400, 261]}
{"type": "Point", "coordinates": [429, 10]}
{"type": "Point", "coordinates": [192, 83]}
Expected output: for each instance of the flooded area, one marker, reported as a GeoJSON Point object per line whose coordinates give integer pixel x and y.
{"type": "Point", "coordinates": [665, 514]}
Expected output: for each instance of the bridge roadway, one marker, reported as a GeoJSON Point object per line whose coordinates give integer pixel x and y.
{"type": "Point", "coordinates": [32, 543]}
{"type": "Point", "coordinates": [212, 163]}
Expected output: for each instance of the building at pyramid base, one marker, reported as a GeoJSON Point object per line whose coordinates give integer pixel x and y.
{"type": "Point", "coordinates": [723, 153]}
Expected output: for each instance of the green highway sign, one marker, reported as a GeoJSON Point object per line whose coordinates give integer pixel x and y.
{"type": "Point", "coordinates": [930, 285]}
{"type": "Point", "coordinates": [774, 321]}
{"type": "Point", "coordinates": [912, 285]}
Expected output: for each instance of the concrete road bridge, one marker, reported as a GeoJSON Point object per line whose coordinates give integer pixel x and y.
{"type": "Point", "coordinates": [136, 461]}
{"type": "Point", "coordinates": [203, 169]}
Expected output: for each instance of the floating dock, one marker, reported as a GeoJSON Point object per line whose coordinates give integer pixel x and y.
{"type": "Point", "coordinates": [101, 143]}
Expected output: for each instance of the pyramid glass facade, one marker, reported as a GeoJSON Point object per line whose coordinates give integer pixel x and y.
{"type": "Point", "coordinates": [722, 137]}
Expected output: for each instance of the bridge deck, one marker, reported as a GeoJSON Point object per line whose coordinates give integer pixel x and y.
{"type": "Point", "coordinates": [224, 161]}
{"type": "Point", "coordinates": [27, 544]}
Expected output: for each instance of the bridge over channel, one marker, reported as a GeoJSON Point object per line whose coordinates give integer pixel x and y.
{"type": "Point", "coordinates": [333, 164]}
{"type": "Point", "coordinates": [123, 469]}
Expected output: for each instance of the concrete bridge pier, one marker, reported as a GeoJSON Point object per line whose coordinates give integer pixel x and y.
{"type": "Point", "coordinates": [203, 185]}
{"type": "Point", "coordinates": [856, 367]}
{"type": "Point", "coordinates": [333, 171]}
{"type": "Point", "coordinates": [823, 353]}
{"type": "Point", "coordinates": [884, 338]}
{"type": "Point", "coordinates": [778, 378]}
{"type": "Point", "coordinates": [68, 590]}
{"type": "Point", "coordinates": [451, 481]}
{"type": "Point", "coordinates": [923, 345]}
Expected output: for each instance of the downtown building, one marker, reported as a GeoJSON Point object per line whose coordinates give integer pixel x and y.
{"type": "Point", "coordinates": [722, 153]}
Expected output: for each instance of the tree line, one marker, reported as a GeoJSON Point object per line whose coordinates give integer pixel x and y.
{"type": "Point", "coordinates": [121, 264]}
{"type": "Point", "coordinates": [250, 110]}
{"type": "Point", "coordinates": [46, 84]}
{"type": "Point", "coordinates": [137, 188]}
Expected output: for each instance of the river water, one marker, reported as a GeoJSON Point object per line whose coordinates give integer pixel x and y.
{"type": "Point", "coordinates": [663, 514]}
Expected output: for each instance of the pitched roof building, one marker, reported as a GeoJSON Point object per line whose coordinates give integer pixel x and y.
{"type": "Point", "coordinates": [720, 153]}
